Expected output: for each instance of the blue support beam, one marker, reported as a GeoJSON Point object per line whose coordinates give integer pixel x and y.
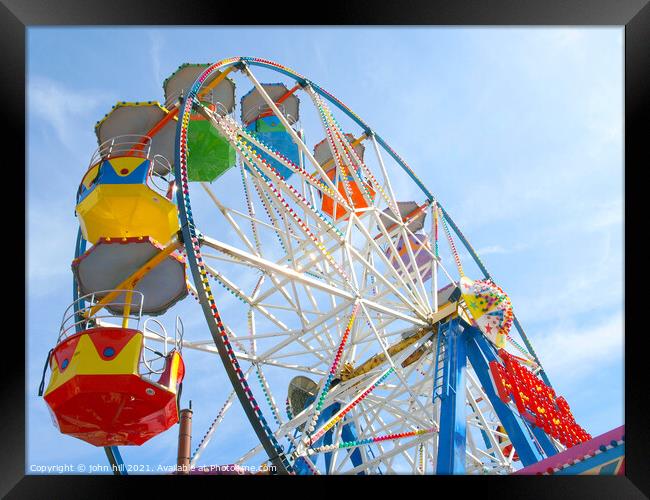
{"type": "Point", "coordinates": [544, 441]}
{"type": "Point", "coordinates": [452, 437]}
{"type": "Point", "coordinates": [480, 353]}
{"type": "Point", "coordinates": [115, 460]}
{"type": "Point", "coordinates": [348, 433]}
{"type": "Point", "coordinates": [301, 467]}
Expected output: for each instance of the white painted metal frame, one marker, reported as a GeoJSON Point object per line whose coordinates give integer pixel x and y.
{"type": "Point", "coordinates": [305, 288]}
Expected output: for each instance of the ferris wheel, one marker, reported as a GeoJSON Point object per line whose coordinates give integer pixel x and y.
{"type": "Point", "coordinates": [353, 339]}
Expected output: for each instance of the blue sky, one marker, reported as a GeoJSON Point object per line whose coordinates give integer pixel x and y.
{"type": "Point", "coordinates": [530, 120]}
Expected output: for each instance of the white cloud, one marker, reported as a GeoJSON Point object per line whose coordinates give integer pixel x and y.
{"type": "Point", "coordinates": [155, 50]}
{"type": "Point", "coordinates": [572, 353]}
{"type": "Point", "coordinates": [65, 110]}
{"type": "Point", "coordinates": [568, 36]}
{"type": "Point", "coordinates": [492, 249]}
{"type": "Point", "coordinates": [495, 250]}
{"type": "Point", "coordinates": [580, 293]}
{"type": "Point", "coordinates": [605, 216]}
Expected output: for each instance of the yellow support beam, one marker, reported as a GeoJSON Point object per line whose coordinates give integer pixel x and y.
{"type": "Point", "coordinates": [446, 311]}
{"type": "Point", "coordinates": [130, 282]}
{"type": "Point", "coordinates": [127, 308]}
{"type": "Point", "coordinates": [215, 82]}
{"type": "Point", "coordinates": [349, 372]}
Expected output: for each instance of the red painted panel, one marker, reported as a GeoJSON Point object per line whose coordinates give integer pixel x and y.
{"type": "Point", "coordinates": [535, 401]}
{"type": "Point", "coordinates": [65, 350]}
{"type": "Point", "coordinates": [165, 377]}
{"type": "Point", "coordinates": [115, 338]}
{"type": "Point", "coordinates": [112, 410]}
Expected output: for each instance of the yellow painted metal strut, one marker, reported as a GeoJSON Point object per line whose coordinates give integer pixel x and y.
{"type": "Point", "coordinates": [348, 373]}
{"type": "Point", "coordinates": [130, 282]}
{"type": "Point", "coordinates": [215, 82]}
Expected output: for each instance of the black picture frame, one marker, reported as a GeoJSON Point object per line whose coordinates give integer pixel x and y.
{"type": "Point", "coordinates": [17, 15]}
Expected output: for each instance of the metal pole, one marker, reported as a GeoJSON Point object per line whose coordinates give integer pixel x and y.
{"type": "Point", "coordinates": [184, 442]}
{"type": "Point", "coordinates": [127, 308]}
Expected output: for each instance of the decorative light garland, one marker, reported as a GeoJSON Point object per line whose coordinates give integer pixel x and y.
{"type": "Point", "coordinates": [363, 442]}
{"type": "Point", "coordinates": [451, 244]}
{"type": "Point", "coordinates": [339, 416]}
{"type": "Point", "coordinates": [213, 426]}
{"type": "Point", "coordinates": [348, 148]}
{"type": "Point", "coordinates": [201, 268]}
{"type": "Point", "coordinates": [332, 371]}
{"type": "Point", "coordinates": [190, 224]}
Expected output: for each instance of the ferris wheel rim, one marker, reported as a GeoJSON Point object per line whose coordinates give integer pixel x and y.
{"type": "Point", "coordinates": [339, 104]}
{"type": "Point", "coordinates": [335, 101]}
{"type": "Point", "coordinates": [192, 241]}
